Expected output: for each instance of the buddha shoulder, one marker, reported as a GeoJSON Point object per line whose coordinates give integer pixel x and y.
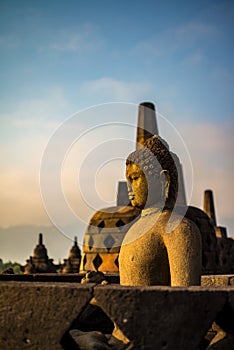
{"type": "Point", "coordinates": [177, 224]}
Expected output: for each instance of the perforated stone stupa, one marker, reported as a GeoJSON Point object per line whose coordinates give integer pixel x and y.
{"type": "Point", "coordinates": [39, 262]}
{"type": "Point", "coordinates": [72, 263]}
{"type": "Point", "coordinates": [104, 236]}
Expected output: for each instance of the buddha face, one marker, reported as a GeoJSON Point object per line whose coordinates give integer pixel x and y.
{"type": "Point", "coordinates": [137, 185]}
{"type": "Point", "coordinates": [143, 193]}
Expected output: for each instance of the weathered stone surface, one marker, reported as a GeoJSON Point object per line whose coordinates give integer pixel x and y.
{"type": "Point", "coordinates": [226, 343]}
{"type": "Point", "coordinates": [225, 318]}
{"type": "Point", "coordinates": [217, 280]}
{"type": "Point", "coordinates": [210, 260]}
{"type": "Point", "coordinates": [226, 253]}
{"type": "Point", "coordinates": [162, 317]}
{"type": "Point", "coordinates": [221, 280]}
{"type": "Point", "coordinates": [90, 340]}
{"type": "Point", "coordinates": [224, 325]}
{"type": "Point", "coordinates": [70, 278]}
{"type": "Point", "coordinates": [36, 315]}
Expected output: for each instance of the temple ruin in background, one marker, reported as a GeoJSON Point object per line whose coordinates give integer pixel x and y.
{"type": "Point", "coordinates": [39, 262]}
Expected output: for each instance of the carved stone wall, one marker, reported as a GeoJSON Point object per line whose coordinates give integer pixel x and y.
{"type": "Point", "coordinates": [151, 317]}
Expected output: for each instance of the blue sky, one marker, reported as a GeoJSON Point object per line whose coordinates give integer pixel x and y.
{"type": "Point", "coordinates": [58, 57]}
{"type": "Point", "coordinates": [184, 45]}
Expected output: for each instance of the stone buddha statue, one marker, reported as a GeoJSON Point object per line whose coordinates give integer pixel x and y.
{"type": "Point", "coordinates": [161, 248]}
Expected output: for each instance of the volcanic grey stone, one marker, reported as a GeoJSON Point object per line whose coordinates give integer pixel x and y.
{"type": "Point", "coordinates": [35, 315]}
{"type": "Point", "coordinates": [162, 318]}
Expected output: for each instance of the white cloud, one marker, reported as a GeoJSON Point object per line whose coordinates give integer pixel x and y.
{"type": "Point", "coordinates": [194, 31]}
{"type": "Point", "coordinates": [82, 39]}
{"type": "Point", "coordinates": [33, 117]}
{"type": "Point", "coordinates": [178, 39]}
{"type": "Point", "coordinates": [53, 106]}
{"type": "Point", "coordinates": [115, 90]}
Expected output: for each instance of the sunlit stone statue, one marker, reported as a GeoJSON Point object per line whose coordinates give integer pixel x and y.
{"type": "Point", "coordinates": [161, 248]}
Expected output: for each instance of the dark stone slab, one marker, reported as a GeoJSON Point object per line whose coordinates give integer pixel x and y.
{"type": "Point", "coordinates": [35, 315]}
{"type": "Point", "coordinates": [41, 277]}
{"type": "Point", "coordinates": [224, 324]}
{"type": "Point", "coordinates": [162, 318]}
{"type": "Point", "coordinates": [50, 277]}
{"type": "Point", "coordinates": [225, 318]}
{"type": "Point", "coordinates": [39, 315]}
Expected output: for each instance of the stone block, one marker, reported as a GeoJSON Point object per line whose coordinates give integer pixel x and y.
{"type": "Point", "coordinates": [162, 318]}
{"type": "Point", "coordinates": [225, 318]}
{"type": "Point", "coordinates": [217, 280]}
{"type": "Point", "coordinates": [36, 315]}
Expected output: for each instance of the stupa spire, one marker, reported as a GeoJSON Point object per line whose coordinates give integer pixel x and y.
{"type": "Point", "coordinates": [40, 241]}
{"type": "Point", "coordinates": [147, 123]}
{"type": "Point", "coordinates": [208, 206]}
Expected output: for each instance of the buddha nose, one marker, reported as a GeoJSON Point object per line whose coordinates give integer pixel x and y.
{"type": "Point", "coordinates": [129, 186]}
{"type": "Point", "coordinates": [130, 191]}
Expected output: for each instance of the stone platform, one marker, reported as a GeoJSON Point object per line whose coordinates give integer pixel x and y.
{"type": "Point", "coordinates": [36, 315]}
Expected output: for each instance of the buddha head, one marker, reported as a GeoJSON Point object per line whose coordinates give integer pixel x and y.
{"type": "Point", "coordinates": [152, 175]}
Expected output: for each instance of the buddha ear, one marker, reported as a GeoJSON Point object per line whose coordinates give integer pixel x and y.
{"type": "Point", "coordinates": [165, 181]}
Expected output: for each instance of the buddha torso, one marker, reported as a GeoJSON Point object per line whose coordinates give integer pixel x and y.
{"type": "Point", "coordinates": [156, 251]}
{"type": "Point", "coordinates": [142, 253]}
